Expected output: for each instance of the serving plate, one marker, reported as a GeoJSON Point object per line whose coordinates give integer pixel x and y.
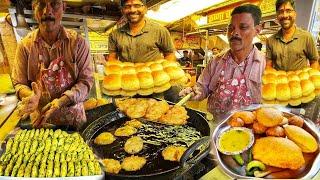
{"type": "Point", "coordinates": [230, 167]}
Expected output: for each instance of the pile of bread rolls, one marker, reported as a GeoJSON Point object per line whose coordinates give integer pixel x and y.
{"type": "Point", "coordinates": [129, 79]}
{"type": "Point", "coordinates": [292, 87]}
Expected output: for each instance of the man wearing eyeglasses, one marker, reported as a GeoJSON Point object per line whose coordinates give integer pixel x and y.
{"type": "Point", "coordinates": [291, 48]}
{"type": "Point", "coordinates": [140, 40]}
{"type": "Point", "coordinates": [52, 73]}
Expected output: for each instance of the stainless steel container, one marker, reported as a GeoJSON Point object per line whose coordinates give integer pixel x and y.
{"type": "Point", "coordinates": [239, 172]}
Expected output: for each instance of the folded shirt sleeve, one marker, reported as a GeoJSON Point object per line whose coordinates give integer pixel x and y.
{"type": "Point", "coordinates": [79, 92]}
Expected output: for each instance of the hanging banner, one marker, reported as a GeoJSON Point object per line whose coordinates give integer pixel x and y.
{"type": "Point", "coordinates": [222, 15]}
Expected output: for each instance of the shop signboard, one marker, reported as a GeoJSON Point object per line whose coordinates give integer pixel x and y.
{"type": "Point", "coordinates": [221, 15]}
{"type": "Point", "coordinates": [315, 22]}
{"type": "Point", "coordinates": [98, 42]}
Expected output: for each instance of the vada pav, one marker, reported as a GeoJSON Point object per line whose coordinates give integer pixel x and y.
{"type": "Point", "coordinates": [269, 117]}
{"type": "Point", "coordinates": [278, 152]}
{"type": "Point", "coordinates": [111, 166]}
{"type": "Point", "coordinates": [133, 145]}
{"type": "Point", "coordinates": [156, 110]}
{"type": "Point", "coordinates": [134, 123]}
{"type": "Point", "coordinates": [173, 153]}
{"type": "Point", "coordinates": [125, 131]}
{"type": "Point", "coordinates": [177, 115]}
{"type": "Point", "coordinates": [137, 109]}
{"type": "Point", "coordinates": [104, 138]}
{"type": "Point", "coordinates": [133, 163]}
{"type": "Point", "coordinates": [247, 116]}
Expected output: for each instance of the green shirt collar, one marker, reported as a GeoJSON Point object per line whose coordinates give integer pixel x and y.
{"type": "Point", "coordinates": [296, 34]}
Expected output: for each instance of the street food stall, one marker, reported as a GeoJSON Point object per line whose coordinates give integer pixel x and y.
{"type": "Point", "coordinates": [130, 134]}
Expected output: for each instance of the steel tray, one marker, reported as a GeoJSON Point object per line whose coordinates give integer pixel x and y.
{"type": "Point", "coordinates": [230, 167]}
{"type": "Point", "coordinates": [2, 150]}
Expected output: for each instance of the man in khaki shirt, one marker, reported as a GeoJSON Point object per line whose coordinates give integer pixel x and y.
{"type": "Point", "coordinates": [142, 40]}
{"type": "Point", "coordinates": [291, 48]}
{"type": "Point", "coordinates": [139, 40]}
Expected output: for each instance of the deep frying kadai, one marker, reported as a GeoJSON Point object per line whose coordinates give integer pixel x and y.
{"type": "Point", "coordinates": [156, 137]}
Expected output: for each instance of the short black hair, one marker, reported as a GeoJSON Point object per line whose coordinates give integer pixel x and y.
{"type": "Point", "coordinates": [280, 2]}
{"type": "Point", "coordinates": [254, 10]}
{"type": "Point", "coordinates": [185, 51]}
{"type": "Point", "coordinates": [122, 2]}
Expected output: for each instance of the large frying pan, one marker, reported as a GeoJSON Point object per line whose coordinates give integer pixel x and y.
{"type": "Point", "coordinates": [156, 167]}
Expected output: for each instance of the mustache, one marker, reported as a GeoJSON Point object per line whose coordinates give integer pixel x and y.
{"type": "Point", "coordinates": [134, 13]}
{"type": "Point", "coordinates": [48, 18]}
{"type": "Point", "coordinates": [235, 38]}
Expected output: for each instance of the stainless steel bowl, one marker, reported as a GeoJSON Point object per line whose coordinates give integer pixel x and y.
{"type": "Point", "coordinates": [250, 143]}
{"type": "Point", "coordinates": [235, 171]}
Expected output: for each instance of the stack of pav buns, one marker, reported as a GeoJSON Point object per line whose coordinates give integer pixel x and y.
{"type": "Point", "coordinates": [129, 79]}
{"type": "Point", "coordinates": [292, 87]}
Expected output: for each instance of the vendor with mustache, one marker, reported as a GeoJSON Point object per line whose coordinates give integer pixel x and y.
{"type": "Point", "coordinates": [52, 73]}
{"type": "Point", "coordinates": [291, 48]}
{"type": "Point", "coordinates": [232, 80]}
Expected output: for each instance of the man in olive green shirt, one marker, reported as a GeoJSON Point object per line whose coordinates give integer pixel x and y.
{"type": "Point", "coordinates": [291, 48]}
{"type": "Point", "coordinates": [140, 40]}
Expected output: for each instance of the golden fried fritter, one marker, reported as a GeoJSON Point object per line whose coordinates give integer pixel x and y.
{"type": "Point", "coordinates": [236, 122]}
{"type": "Point", "coordinates": [111, 166]}
{"type": "Point", "coordinates": [133, 163]}
{"type": "Point", "coordinates": [177, 115]}
{"type": "Point", "coordinates": [296, 120]}
{"type": "Point", "coordinates": [278, 152]}
{"type": "Point", "coordinates": [134, 123]}
{"type": "Point", "coordinates": [156, 110]}
{"type": "Point", "coordinates": [258, 128]}
{"type": "Point", "coordinates": [247, 116]}
{"type": "Point", "coordinates": [173, 153]}
{"type": "Point", "coordinates": [125, 131]}
{"type": "Point", "coordinates": [104, 138]}
{"type": "Point", "coordinates": [151, 102]}
{"type": "Point", "coordinates": [133, 145]}
{"type": "Point", "coordinates": [137, 109]}
{"type": "Point", "coordinates": [123, 104]}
